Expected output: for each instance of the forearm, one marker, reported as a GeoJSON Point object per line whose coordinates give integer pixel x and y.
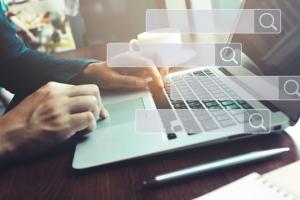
{"type": "Point", "coordinates": [32, 69]}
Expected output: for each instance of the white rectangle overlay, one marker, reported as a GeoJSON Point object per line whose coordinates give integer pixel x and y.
{"type": "Point", "coordinates": [195, 121]}
{"type": "Point", "coordinates": [174, 55]}
{"type": "Point", "coordinates": [242, 21]}
{"type": "Point", "coordinates": [194, 87]}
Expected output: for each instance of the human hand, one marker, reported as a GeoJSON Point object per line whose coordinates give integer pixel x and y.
{"type": "Point", "coordinates": [127, 77]}
{"type": "Point", "coordinates": [49, 117]}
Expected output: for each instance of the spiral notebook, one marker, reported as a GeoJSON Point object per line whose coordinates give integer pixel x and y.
{"type": "Point", "coordinates": [281, 184]}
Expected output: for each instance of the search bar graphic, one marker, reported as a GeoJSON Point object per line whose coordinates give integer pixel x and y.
{"type": "Point", "coordinates": [173, 54]}
{"type": "Point", "coordinates": [233, 88]}
{"type": "Point", "coordinates": [195, 121]}
{"type": "Point", "coordinates": [242, 21]}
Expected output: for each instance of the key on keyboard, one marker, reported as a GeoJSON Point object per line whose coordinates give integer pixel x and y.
{"type": "Point", "coordinates": [202, 90]}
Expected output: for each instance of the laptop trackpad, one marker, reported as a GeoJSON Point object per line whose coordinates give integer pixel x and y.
{"type": "Point", "coordinates": [122, 112]}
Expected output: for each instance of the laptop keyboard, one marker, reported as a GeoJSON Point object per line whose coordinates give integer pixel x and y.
{"type": "Point", "coordinates": [223, 109]}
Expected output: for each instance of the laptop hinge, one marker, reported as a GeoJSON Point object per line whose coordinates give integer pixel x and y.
{"type": "Point", "coordinates": [268, 104]}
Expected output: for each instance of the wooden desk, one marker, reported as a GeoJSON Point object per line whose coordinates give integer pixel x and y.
{"type": "Point", "coordinates": [52, 177]}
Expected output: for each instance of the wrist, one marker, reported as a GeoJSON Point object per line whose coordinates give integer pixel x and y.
{"type": "Point", "coordinates": [86, 75]}
{"type": "Point", "coordinates": [91, 71]}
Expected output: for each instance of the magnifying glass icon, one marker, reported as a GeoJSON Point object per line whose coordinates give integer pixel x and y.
{"type": "Point", "coordinates": [256, 120]}
{"type": "Point", "coordinates": [231, 57]}
{"type": "Point", "coordinates": [291, 87]}
{"type": "Point", "coordinates": [268, 25]}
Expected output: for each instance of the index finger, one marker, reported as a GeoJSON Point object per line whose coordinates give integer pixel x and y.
{"type": "Point", "coordinates": [163, 71]}
{"type": "Point", "coordinates": [154, 73]}
{"type": "Point", "coordinates": [86, 90]}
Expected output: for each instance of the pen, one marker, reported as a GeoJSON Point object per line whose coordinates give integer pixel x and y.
{"type": "Point", "coordinates": [213, 166]}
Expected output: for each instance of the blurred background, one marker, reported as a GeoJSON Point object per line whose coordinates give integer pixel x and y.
{"type": "Point", "coordinates": [58, 25]}
{"type": "Point", "coordinates": [54, 26]}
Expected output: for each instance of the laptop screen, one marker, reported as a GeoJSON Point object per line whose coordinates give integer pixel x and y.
{"type": "Point", "coordinates": [276, 54]}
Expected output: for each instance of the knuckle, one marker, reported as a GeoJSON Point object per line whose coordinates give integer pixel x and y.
{"type": "Point", "coordinates": [51, 85]}
{"type": "Point", "coordinates": [95, 88]}
{"type": "Point", "coordinates": [51, 93]}
{"type": "Point", "coordinates": [93, 100]}
{"type": "Point", "coordinates": [90, 117]}
{"type": "Point", "coordinates": [50, 89]}
{"type": "Point", "coordinates": [54, 89]}
{"type": "Point", "coordinates": [53, 109]}
{"type": "Point", "coordinates": [46, 89]}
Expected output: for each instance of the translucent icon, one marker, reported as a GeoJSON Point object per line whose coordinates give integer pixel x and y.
{"type": "Point", "coordinates": [267, 20]}
{"type": "Point", "coordinates": [228, 54]}
{"type": "Point", "coordinates": [257, 121]}
{"type": "Point", "coordinates": [291, 87]}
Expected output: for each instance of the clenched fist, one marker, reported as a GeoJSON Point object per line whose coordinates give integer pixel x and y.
{"type": "Point", "coordinates": [49, 117]}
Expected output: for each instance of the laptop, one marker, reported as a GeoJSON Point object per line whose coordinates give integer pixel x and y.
{"type": "Point", "coordinates": [116, 138]}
